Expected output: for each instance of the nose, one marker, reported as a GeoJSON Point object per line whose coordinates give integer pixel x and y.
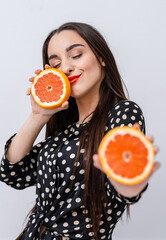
{"type": "Point", "coordinates": [67, 68]}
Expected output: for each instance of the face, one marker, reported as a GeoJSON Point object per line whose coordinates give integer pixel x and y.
{"type": "Point", "coordinates": [69, 52]}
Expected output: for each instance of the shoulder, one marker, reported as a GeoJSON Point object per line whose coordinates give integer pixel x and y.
{"type": "Point", "coordinates": [125, 112]}
{"type": "Point", "coordinates": [125, 106]}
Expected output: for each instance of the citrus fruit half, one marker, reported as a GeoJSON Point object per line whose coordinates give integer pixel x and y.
{"type": "Point", "coordinates": [127, 156]}
{"type": "Point", "coordinates": [50, 88]}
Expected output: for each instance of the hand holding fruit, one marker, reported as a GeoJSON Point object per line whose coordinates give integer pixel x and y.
{"type": "Point", "coordinates": [125, 187]}
{"type": "Point", "coordinates": [46, 110]}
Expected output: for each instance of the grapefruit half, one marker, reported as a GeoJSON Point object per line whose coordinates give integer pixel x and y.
{"type": "Point", "coordinates": [50, 88]}
{"type": "Point", "coordinates": [127, 156]}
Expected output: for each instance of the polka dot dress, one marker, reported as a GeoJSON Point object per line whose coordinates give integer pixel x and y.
{"type": "Point", "coordinates": [59, 193]}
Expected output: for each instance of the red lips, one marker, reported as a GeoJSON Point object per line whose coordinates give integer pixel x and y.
{"type": "Point", "coordinates": [73, 78]}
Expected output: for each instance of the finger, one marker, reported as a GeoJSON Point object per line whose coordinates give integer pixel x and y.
{"type": "Point", "coordinates": [156, 149]}
{"type": "Point", "coordinates": [136, 126]}
{"type": "Point", "coordinates": [151, 138]}
{"type": "Point", "coordinates": [96, 162]}
{"type": "Point", "coordinates": [31, 79]}
{"type": "Point", "coordinates": [156, 166]}
{"type": "Point", "coordinates": [65, 105]}
{"type": "Point", "coordinates": [38, 71]}
{"type": "Point", "coordinates": [47, 66]}
{"type": "Point", "coordinates": [28, 92]}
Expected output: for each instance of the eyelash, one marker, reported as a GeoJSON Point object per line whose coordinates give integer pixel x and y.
{"type": "Point", "coordinates": [77, 56]}
{"type": "Point", "coordinates": [74, 57]}
{"type": "Point", "coordinates": [56, 65]}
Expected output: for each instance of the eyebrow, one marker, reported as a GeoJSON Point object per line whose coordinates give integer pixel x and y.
{"type": "Point", "coordinates": [67, 50]}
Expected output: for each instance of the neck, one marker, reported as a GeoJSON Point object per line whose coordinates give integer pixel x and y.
{"type": "Point", "coordinates": [86, 106]}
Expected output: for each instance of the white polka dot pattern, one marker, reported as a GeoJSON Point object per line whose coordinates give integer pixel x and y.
{"type": "Point", "coordinates": [59, 192]}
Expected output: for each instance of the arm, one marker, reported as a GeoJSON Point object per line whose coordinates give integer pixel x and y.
{"type": "Point", "coordinates": [23, 173]}
{"type": "Point", "coordinates": [19, 164]}
{"type": "Point", "coordinates": [126, 190]}
{"type": "Point", "coordinates": [24, 139]}
{"type": "Point", "coordinates": [127, 113]}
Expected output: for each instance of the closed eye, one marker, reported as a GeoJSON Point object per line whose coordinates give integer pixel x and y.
{"type": "Point", "coordinates": [57, 65]}
{"type": "Point", "coordinates": [77, 56]}
{"type": "Point", "coordinates": [74, 57]}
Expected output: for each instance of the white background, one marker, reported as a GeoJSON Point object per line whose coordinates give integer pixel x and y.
{"type": "Point", "coordinates": [136, 33]}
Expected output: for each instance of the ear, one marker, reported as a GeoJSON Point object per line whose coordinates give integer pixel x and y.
{"type": "Point", "coordinates": [102, 62]}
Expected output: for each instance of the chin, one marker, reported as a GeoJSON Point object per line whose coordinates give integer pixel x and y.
{"type": "Point", "coordinates": [75, 92]}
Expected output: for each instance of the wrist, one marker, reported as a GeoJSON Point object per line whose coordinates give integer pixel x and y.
{"type": "Point", "coordinates": [40, 118]}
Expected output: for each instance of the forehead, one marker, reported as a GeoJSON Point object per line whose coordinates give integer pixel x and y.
{"type": "Point", "coordinates": [62, 40]}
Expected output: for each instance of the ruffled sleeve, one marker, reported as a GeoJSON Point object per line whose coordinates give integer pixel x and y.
{"type": "Point", "coordinates": [120, 198]}
{"type": "Point", "coordinates": [23, 173]}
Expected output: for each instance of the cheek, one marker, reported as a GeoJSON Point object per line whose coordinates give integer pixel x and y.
{"type": "Point", "coordinates": [92, 66]}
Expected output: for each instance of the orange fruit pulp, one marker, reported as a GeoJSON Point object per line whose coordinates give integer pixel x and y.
{"type": "Point", "coordinates": [50, 88]}
{"type": "Point", "coordinates": [127, 156]}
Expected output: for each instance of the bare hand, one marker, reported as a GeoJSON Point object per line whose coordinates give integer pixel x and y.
{"type": "Point", "coordinates": [36, 109]}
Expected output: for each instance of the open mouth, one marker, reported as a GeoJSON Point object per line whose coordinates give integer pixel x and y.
{"type": "Point", "coordinates": [74, 78]}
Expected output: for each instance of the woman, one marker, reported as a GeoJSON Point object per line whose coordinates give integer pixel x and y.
{"type": "Point", "coordinates": [75, 198]}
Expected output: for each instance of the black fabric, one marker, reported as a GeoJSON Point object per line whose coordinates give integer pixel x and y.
{"type": "Point", "coordinates": [49, 166]}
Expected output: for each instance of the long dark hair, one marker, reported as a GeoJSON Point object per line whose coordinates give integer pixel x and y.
{"type": "Point", "coordinates": [111, 91]}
